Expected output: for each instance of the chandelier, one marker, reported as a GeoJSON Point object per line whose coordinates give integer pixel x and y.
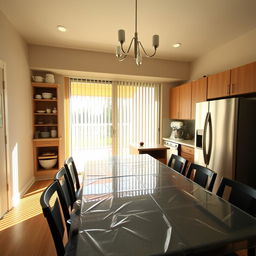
{"type": "Point", "coordinates": [121, 54]}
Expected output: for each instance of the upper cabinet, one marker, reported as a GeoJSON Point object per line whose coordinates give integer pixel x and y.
{"type": "Point", "coordinates": [218, 85]}
{"type": "Point", "coordinates": [199, 93]}
{"type": "Point", "coordinates": [243, 79]}
{"type": "Point", "coordinates": [180, 102]}
{"type": "Point", "coordinates": [174, 102]}
{"type": "Point", "coordinates": [237, 81]}
{"type": "Point", "coordinates": [185, 101]}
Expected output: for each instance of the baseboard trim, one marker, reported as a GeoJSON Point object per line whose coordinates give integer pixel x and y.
{"type": "Point", "coordinates": [27, 186]}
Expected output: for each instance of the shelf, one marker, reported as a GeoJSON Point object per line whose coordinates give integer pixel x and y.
{"type": "Point", "coordinates": [47, 157]}
{"type": "Point", "coordinates": [45, 139]}
{"type": "Point", "coordinates": [49, 170]}
{"type": "Point", "coordinates": [42, 125]}
{"type": "Point", "coordinates": [45, 114]}
{"type": "Point", "coordinates": [46, 121]}
{"type": "Point", "coordinates": [43, 100]}
{"type": "Point", "coordinates": [48, 85]}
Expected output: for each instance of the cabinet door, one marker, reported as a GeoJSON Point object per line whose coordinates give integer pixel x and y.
{"type": "Point", "coordinates": [187, 153]}
{"type": "Point", "coordinates": [243, 79]}
{"type": "Point", "coordinates": [174, 102]}
{"type": "Point", "coordinates": [199, 93]}
{"type": "Point", "coordinates": [218, 85]}
{"type": "Point", "coordinates": [185, 101]}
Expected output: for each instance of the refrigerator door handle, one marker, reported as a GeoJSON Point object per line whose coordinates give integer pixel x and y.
{"type": "Point", "coordinates": [204, 138]}
{"type": "Point", "coordinates": [210, 139]}
{"type": "Point", "coordinates": [205, 154]}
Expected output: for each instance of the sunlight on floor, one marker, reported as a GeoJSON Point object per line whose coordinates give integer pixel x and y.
{"type": "Point", "coordinates": [27, 207]}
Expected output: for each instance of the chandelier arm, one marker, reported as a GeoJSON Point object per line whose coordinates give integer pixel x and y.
{"type": "Point", "coordinates": [152, 55]}
{"type": "Point", "coordinates": [126, 52]}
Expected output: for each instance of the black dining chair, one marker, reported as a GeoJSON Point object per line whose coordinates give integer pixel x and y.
{"type": "Point", "coordinates": [240, 195]}
{"type": "Point", "coordinates": [53, 214]}
{"type": "Point", "coordinates": [64, 179]}
{"type": "Point", "coordinates": [178, 163]}
{"type": "Point", "coordinates": [203, 176]}
{"type": "Point", "coordinates": [70, 166]}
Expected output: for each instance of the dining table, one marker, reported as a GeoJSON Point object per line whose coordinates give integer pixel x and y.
{"type": "Point", "coordinates": [135, 205]}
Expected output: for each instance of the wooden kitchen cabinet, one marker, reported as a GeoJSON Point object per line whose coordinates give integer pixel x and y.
{"type": "Point", "coordinates": [199, 94]}
{"type": "Point", "coordinates": [237, 81]}
{"type": "Point", "coordinates": [180, 102]}
{"type": "Point", "coordinates": [243, 79]}
{"type": "Point", "coordinates": [174, 102]}
{"type": "Point", "coordinates": [185, 101]}
{"type": "Point", "coordinates": [218, 85]}
{"type": "Point", "coordinates": [187, 153]}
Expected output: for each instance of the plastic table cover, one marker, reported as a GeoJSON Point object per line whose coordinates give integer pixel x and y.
{"type": "Point", "coordinates": [135, 205]}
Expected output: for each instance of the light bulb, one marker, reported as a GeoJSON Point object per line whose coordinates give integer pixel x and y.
{"type": "Point", "coordinates": [118, 51]}
{"type": "Point", "coordinates": [139, 56]}
{"type": "Point", "coordinates": [61, 28]}
{"type": "Point", "coordinates": [177, 45]}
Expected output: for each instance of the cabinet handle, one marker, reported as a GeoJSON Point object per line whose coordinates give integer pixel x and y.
{"type": "Point", "coordinates": [232, 88]}
{"type": "Point", "coordinates": [228, 89]}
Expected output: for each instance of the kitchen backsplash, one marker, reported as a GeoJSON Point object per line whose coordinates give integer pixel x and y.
{"type": "Point", "coordinates": [188, 127]}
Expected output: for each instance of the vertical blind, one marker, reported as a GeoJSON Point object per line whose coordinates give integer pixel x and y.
{"type": "Point", "coordinates": [106, 117]}
{"type": "Point", "coordinates": [90, 120]}
{"type": "Point", "coordinates": [137, 114]}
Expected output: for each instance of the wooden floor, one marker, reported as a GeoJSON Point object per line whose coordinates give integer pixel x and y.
{"type": "Point", "coordinates": [24, 230]}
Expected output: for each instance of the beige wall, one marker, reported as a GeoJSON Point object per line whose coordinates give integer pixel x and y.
{"type": "Point", "coordinates": [237, 52]}
{"type": "Point", "coordinates": [44, 57]}
{"type": "Point", "coordinates": [13, 51]}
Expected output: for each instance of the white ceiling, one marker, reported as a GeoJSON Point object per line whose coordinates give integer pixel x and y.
{"type": "Point", "coordinates": [200, 25]}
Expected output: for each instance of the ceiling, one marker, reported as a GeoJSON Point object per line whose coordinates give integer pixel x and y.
{"type": "Point", "coordinates": [200, 25]}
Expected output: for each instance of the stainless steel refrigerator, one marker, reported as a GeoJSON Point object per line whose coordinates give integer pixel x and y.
{"type": "Point", "coordinates": [225, 138]}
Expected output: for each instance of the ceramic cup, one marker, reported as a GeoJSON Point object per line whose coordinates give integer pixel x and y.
{"type": "Point", "coordinates": [53, 133]}
{"type": "Point", "coordinates": [49, 78]}
{"type": "Point", "coordinates": [48, 110]}
{"type": "Point", "coordinates": [38, 96]}
{"type": "Point", "coordinates": [38, 79]}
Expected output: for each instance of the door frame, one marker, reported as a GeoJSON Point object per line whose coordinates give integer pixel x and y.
{"type": "Point", "coordinates": [8, 173]}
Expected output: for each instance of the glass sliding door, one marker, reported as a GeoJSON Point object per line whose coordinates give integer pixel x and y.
{"type": "Point", "coordinates": [106, 117]}
{"type": "Point", "coordinates": [91, 120]}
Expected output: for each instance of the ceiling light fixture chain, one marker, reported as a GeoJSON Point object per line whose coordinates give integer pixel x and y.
{"type": "Point", "coordinates": [121, 54]}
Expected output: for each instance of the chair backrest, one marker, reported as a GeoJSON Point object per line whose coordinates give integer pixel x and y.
{"type": "Point", "coordinates": [178, 163]}
{"type": "Point", "coordinates": [72, 171]}
{"type": "Point", "coordinates": [240, 195]}
{"type": "Point", "coordinates": [202, 176]}
{"type": "Point", "coordinates": [67, 187]}
{"type": "Point", "coordinates": [54, 216]}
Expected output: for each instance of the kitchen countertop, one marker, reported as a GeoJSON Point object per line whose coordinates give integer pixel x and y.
{"type": "Point", "coordinates": [189, 143]}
